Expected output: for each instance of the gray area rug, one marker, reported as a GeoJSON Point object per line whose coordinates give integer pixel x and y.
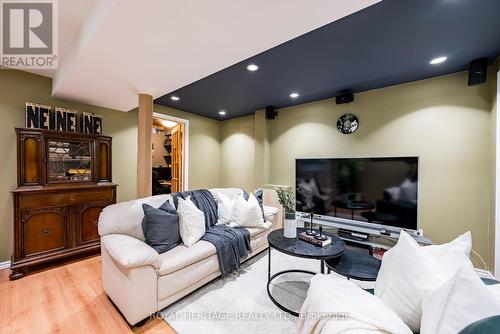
{"type": "Point", "coordinates": [240, 305]}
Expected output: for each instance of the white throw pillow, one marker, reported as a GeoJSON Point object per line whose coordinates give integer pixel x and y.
{"type": "Point", "coordinates": [495, 290]}
{"type": "Point", "coordinates": [409, 271]}
{"type": "Point", "coordinates": [224, 209]}
{"type": "Point", "coordinates": [246, 213]}
{"type": "Point", "coordinates": [191, 221]}
{"type": "Point", "coordinates": [461, 301]}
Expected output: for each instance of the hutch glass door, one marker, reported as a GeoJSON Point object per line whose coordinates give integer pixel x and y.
{"type": "Point", "coordinates": [69, 161]}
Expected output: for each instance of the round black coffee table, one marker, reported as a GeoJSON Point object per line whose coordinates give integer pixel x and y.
{"type": "Point", "coordinates": [355, 264]}
{"type": "Point", "coordinates": [299, 248]}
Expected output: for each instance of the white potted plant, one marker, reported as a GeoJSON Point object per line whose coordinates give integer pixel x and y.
{"type": "Point", "coordinates": [287, 200]}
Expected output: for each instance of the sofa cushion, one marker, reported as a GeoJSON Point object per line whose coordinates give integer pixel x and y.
{"type": "Point", "coordinates": [126, 217]}
{"type": "Point", "coordinates": [183, 256]}
{"type": "Point", "coordinates": [255, 231]}
{"type": "Point", "coordinates": [161, 227]}
{"type": "Point", "coordinates": [186, 278]}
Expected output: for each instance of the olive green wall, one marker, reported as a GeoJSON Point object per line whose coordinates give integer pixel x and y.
{"type": "Point", "coordinates": [441, 120]}
{"type": "Point", "coordinates": [204, 148]}
{"type": "Point", "coordinates": [237, 152]}
{"type": "Point", "coordinates": [16, 88]}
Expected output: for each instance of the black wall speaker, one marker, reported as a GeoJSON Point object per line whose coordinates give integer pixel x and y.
{"type": "Point", "coordinates": [271, 112]}
{"type": "Point", "coordinates": [344, 98]}
{"type": "Point", "coordinates": [478, 70]}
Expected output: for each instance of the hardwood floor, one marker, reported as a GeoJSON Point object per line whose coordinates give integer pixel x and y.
{"type": "Point", "coordinates": [65, 299]}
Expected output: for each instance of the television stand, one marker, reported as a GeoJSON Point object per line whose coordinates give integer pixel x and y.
{"type": "Point", "coordinates": [381, 238]}
{"type": "Point", "coordinates": [352, 235]}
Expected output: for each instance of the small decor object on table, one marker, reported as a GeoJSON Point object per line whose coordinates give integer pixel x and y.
{"type": "Point", "coordinates": [311, 232]}
{"type": "Point", "coordinates": [318, 239]}
{"type": "Point", "coordinates": [286, 198]}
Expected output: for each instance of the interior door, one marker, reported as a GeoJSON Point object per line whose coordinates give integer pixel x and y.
{"type": "Point", "coordinates": [177, 153]}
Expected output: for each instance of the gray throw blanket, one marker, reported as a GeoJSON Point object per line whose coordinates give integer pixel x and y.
{"type": "Point", "coordinates": [232, 243]}
{"type": "Point", "coordinates": [204, 201]}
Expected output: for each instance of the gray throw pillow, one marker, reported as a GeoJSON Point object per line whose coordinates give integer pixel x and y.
{"type": "Point", "coordinates": [161, 227]}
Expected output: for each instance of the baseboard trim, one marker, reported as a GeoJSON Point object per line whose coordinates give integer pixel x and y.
{"type": "Point", "coordinates": [4, 265]}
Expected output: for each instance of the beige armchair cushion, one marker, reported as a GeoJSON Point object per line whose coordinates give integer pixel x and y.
{"type": "Point", "coordinates": [130, 252]}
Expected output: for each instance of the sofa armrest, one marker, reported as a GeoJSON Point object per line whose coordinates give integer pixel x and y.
{"type": "Point", "coordinates": [130, 252]}
{"type": "Point", "coordinates": [271, 214]}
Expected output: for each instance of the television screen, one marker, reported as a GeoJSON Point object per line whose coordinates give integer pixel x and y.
{"type": "Point", "coordinates": [373, 190]}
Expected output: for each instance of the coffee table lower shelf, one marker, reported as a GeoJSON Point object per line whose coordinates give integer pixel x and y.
{"type": "Point", "coordinates": [284, 308]}
{"type": "Point", "coordinates": [301, 249]}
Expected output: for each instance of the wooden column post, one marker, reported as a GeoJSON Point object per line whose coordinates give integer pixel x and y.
{"type": "Point", "coordinates": [144, 158]}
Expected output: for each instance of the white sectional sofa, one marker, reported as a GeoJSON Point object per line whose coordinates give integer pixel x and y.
{"type": "Point", "coordinates": [140, 281]}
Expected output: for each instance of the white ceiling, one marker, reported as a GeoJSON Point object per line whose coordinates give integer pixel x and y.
{"type": "Point", "coordinates": [72, 15]}
{"type": "Point", "coordinates": [157, 46]}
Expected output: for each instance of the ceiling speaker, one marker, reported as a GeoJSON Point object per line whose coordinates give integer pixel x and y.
{"type": "Point", "coordinates": [478, 70]}
{"type": "Point", "coordinates": [271, 112]}
{"type": "Point", "coordinates": [344, 98]}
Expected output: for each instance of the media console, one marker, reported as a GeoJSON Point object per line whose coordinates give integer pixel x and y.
{"type": "Point", "coordinates": [381, 237]}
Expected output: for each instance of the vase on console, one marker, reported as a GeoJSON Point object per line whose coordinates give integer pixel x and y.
{"type": "Point", "coordinates": [287, 200]}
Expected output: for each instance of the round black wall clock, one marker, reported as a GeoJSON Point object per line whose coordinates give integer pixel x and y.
{"type": "Point", "coordinates": [347, 123]}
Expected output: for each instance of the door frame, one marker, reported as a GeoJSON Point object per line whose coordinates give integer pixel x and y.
{"type": "Point", "coordinates": [496, 254]}
{"type": "Point", "coordinates": [185, 148]}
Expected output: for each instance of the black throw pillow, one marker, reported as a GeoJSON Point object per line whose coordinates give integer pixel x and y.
{"type": "Point", "coordinates": [161, 227]}
{"type": "Point", "coordinates": [259, 195]}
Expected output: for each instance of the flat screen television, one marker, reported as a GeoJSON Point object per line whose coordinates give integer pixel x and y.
{"type": "Point", "coordinates": [373, 191]}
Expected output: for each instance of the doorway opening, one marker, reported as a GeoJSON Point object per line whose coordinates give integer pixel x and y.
{"type": "Point", "coordinates": [169, 150]}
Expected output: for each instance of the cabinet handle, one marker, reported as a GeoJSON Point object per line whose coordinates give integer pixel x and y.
{"type": "Point", "coordinates": [95, 222]}
{"type": "Point", "coordinates": [45, 232]}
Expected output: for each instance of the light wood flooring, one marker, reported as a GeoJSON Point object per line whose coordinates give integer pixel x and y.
{"type": "Point", "coordinates": [65, 299]}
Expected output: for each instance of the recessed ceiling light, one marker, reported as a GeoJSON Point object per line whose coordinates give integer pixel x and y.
{"type": "Point", "coordinates": [222, 112]}
{"type": "Point", "coordinates": [174, 98]}
{"type": "Point", "coordinates": [438, 60]}
{"type": "Point", "coordinates": [252, 67]}
{"type": "Point", "coordinates": [294, 95]}
{"type": "Point", "coordinates": [168, 124]}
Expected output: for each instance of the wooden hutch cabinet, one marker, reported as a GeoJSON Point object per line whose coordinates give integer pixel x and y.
{"type": "Point", "coordinates": [64, 182]}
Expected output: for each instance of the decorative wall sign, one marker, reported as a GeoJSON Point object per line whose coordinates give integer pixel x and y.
{"type": "Point", "coordinates": [91, 123]}
{"type": "Point", "coordinates": [39, 116]}
{"type": "Point", "coordinates": [347, 123]}
{"type": "Point", "coordinates": [64, 120]}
